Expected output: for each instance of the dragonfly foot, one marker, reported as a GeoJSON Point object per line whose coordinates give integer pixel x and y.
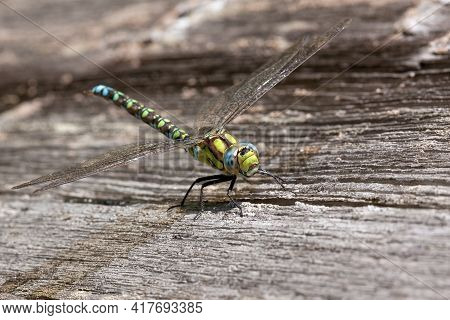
{"type": "Point", "coordinates": [181, 206]}
{"type": "Point", "coordinates": [175, 206]}
{"type": "Point", "coordinates": [233, 203]}
{"type": "Point", "coordinates": [197, 216]}
{"type": "Point", "coordinates": [202, 205]}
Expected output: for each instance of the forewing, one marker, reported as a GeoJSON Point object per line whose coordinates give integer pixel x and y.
{"type": "Point", "coordinates": [222, 109]}
{"type": "Point", "coordinates": [103, 162]}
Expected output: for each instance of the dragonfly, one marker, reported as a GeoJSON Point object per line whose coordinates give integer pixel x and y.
{"type": "Point", "coordinates": [208, 141]}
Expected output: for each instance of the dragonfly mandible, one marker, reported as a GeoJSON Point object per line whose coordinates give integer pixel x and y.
{"type": "Point", "coordinates": [209, 142]}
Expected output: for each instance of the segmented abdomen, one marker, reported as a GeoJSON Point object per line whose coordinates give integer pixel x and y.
{"type": "Point", "coordinates": [140, 111]}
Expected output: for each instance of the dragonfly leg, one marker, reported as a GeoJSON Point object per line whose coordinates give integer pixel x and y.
{"type": "Point", "coordinates": [202, 179]}
{"type": "Point", "coordinates": [232, 201]}
{"type": "Point", "coordinates": [222, 178]}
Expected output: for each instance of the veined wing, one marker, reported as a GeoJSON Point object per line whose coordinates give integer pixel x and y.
{"type": "Point", "coordinates": [222, 109]}
{"type": "Point", "coordinates": [104, 162]}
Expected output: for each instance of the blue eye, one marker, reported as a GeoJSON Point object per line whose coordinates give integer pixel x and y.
{"type": "Point", "coordinates": [228, 157]}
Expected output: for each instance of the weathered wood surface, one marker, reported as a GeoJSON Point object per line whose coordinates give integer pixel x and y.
{"type": "Point", "coordinates": [367, 155]}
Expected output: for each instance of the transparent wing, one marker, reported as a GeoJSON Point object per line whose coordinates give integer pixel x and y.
{"type": "Point", "coordinates": [103, 162]}
{"type": "Point", "coordinates": [222, 109]}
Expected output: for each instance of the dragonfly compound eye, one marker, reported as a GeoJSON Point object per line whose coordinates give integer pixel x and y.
{"type": "Point", "coordinates": [230, 160]}
{"type": "Point", "coordinates": [248, 159]}
{"type": "Point", "coordinates": [250, 146]}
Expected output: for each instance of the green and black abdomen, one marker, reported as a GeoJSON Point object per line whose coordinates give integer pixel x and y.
{"type": "Point", "coordinates": [140, 111]}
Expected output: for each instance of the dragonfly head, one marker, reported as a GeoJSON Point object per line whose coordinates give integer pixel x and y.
{"type": "Point", "coordinates": [242, 158]}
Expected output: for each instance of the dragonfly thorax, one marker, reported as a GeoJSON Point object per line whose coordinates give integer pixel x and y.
{"type": "Point", "coordinates": [242, 159]}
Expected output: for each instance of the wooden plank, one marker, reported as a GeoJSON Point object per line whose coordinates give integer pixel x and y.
{"type": "Point", "coordinates": [366, 156]}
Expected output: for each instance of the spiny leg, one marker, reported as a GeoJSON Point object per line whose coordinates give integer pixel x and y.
{"type": "Point", "coordinates": [223, 178]}
{"type": "Point", "coordinates": [230, 188]}
{"type": "Point", "coordinates": [213, 177]}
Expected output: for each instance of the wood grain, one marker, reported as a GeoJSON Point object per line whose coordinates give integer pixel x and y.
{"type": "Point", "coordinates": [365, 156]}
